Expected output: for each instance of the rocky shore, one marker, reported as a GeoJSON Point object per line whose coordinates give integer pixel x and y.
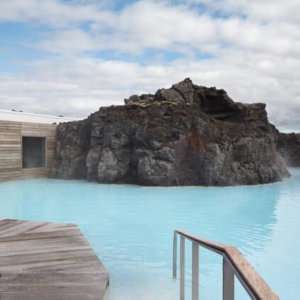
{"type": "Point", "coordinates": [184, 135]}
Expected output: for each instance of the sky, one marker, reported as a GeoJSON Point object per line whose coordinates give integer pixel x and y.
{"type": "Point", "coordinates": [69, 57]}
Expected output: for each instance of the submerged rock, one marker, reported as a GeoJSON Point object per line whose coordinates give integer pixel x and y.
{"type": "Point", "coordinates": [184, 135]}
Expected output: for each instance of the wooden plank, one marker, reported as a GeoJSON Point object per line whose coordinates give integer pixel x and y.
{"type": "Point", "coordinates": [4, 136]}
{"type": "Point", "coordinates": [35, 172]}
{"type": "Point", "coordinates": [40, 260]}
{"type": "Point", "coordinates": [11, 148]}
{"type": "Point", "coordinates": [5, 142]}
{"type": "Point", "coordinates": [9, 169]}
{"type": "Point", "coordinates": [4, 122]}
{"type": "Point", "coordinates": [13, 157]}
{"type": "Point", "coordinates": [8, 161]}
{"type": "Point", "coordinates": [10, 158]}
{"type": "Point", "coordinates": [10, 165]}
{"type": "Point", "coordinates": [35, 129]}
{"type": "Point", "coordinates": [10, 176]}
{"type": "Point", "coordinates": [37, 133]}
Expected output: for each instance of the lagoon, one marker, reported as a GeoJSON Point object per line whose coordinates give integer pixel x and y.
{"type": "Point", "coordinates": [131, 229]}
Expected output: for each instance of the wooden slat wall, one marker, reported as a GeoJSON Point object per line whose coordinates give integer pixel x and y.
{"type": "Point", "coordinates": [11, 148]}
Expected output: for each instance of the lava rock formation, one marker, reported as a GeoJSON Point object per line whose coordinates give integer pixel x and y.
{"type": "Point", "coordinates": [184, 135]}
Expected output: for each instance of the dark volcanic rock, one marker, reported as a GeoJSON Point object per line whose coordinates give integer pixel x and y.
{"type": "Point", "coordinates": [289, 147]}
{"type": "Point", "coordinates": [185, 135]}
{"type": "Point", "coordinates": [72, 145]}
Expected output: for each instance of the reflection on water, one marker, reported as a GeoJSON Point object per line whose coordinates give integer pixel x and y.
{"type": "Point", "coordinates": [131, 229]}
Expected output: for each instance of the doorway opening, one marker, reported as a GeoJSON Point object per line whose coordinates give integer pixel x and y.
{"type": "Point", "coordinates": [34, 152]}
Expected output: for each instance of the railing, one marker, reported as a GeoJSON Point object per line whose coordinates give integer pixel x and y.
{"type": "Point", "coordinates": [234, 264]}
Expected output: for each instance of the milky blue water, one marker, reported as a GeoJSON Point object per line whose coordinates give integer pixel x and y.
{"type": "Point", "coordinates": [130, 228]}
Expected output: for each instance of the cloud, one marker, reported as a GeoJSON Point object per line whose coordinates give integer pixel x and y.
{"type": "Point", "coordinates": [80, 86]}
{"type": "Point", "coordinates": [249, 49]}
{"type": "Point", "coordinates": [59, 42]}
{"type": "Point", "coordinates": [267, 10]}
{"type": "Point", "coordinates": [157, 25]}
{"type": "Point", "coordinates": [142, 25]}
{"type": "Point", "coordinates": [51, 12]}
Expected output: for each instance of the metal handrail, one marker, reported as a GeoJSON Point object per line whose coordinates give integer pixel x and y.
{"type": "Point", "coordinates": [234, 264]}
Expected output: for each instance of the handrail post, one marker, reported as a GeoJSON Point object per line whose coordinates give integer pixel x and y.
{"type": "Point", "coordinates": [175, 255]}
{"type": "Point", "coordinates": [182, 267]}
{"type": "Point", "coordinates": [195, 271]}
{"type": "Point", "coordinates": [228, 280]}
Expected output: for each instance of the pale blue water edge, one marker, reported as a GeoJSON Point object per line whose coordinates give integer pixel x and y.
{"type": "Point", "coordinates": [131, 227]}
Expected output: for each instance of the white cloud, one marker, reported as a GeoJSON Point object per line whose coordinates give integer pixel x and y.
{"type": "Point", "coordinates": [144, 24]}
{"type": "Point", "coordinates": [153, 25]}
{"type": "Point", "coordinates": [52, 12]}
{"type": "Point", "coordinates": [157, 25]}
{"type": "Point", "coordinates": [70, 41]}
{"type": "Point", "coordinates": [262, 10]}
{"type": "Point", "coordinates": [80, 86]}
{"type": "Point", "coordinates": [255, 57]}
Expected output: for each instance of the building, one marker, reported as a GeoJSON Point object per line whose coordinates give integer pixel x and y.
{"type": "Point", "coordinates": [27, 144]}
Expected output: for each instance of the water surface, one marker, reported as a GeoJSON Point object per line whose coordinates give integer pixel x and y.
{"type": "Point", "coordinates": [130, 228]}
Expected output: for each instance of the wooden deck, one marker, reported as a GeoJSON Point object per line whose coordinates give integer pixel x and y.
{"type": "Point", "coordinates": [47, 261]}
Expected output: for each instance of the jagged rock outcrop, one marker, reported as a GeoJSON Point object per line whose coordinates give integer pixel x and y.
{"type": "Point", "coordinates": [184, 135]}
{"type": "Point", "coordinates": [289, 147]}
{"type": "Point", "coordinates": [72, 146]}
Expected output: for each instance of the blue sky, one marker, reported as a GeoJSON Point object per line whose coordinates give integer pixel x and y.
{"type": "Point", "coordinates": [72, 56]}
